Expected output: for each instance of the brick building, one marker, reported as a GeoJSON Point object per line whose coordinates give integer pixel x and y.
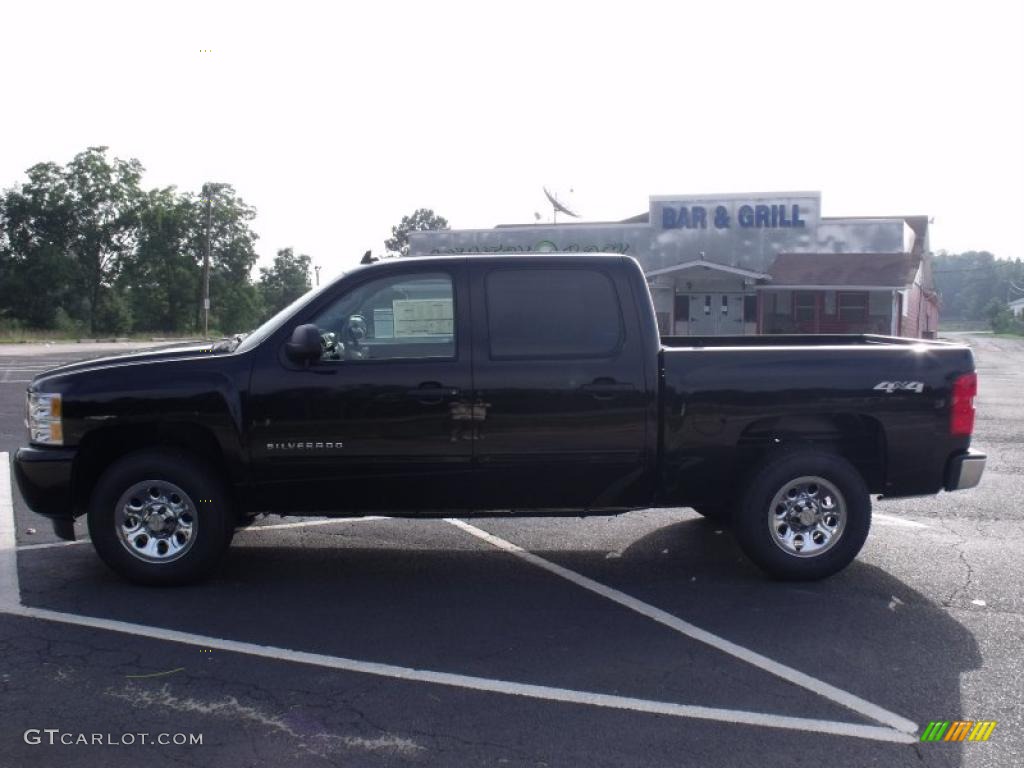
{"type": "Point", "coordinates": [749, 263]}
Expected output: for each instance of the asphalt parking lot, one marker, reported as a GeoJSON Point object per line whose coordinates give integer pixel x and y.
{"type": "Point", "coordinates": [639, 640]}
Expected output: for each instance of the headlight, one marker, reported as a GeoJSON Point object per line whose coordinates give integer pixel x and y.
{"type": "Point", "coordinates": [44, 419]}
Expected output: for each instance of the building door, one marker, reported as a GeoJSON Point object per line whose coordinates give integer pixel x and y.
{"type": "Point", "coordinates": [681, 314]}
{"type": "Point", "coordinates": [730, 314]}
{"type": "Point", "coordinates": [714, 314]}
{"type": "Point", "coordinates": [703, 320]}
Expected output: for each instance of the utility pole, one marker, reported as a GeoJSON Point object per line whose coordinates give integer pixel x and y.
{"type": "Point", "coordinates": [208, 191]}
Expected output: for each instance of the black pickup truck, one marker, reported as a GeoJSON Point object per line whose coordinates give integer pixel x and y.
{"type": "Point", "coordinates": [494, 385]}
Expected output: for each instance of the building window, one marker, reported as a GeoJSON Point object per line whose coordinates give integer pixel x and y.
{"type": "Point", "coordinates": [663, 323]}
{"type": "Point", "coordinates": [682, 307]}
{"type": "Point", "coordinates": [853, 307]}
{"type": "Point", "coordinates": [750, 309]}
{"type": "Point", "coordinates": [830, 303]}
{"type": "Point", "coordinates": [804, 305]}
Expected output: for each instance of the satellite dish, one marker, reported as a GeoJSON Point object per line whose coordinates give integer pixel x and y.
{"type": "Point", "coordinates": [558, 206]}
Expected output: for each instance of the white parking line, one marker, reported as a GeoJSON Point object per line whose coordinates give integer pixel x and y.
{"type": "Point", "coordinates": [10, 596]}
{"type": "Point", "coordinates": [249, 529]}
{"type": "Point", "coordinates": [483, 684]}
{"type": "Point", "coordinates": [307, 523]}
{"type": "Point", "coordinates": [771, 666]}
{"type": "Point", "coordinates": [10, 603]}
{"type": "Point", "coordinates": [51, 545]}
{"type": "Point", "coordinates": [901, 522]}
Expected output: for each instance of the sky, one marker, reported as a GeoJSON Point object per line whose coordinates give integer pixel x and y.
{"type": "Point", "coordinates": [336, 119]}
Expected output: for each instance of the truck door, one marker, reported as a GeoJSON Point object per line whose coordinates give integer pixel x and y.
{"type": "Point", "coordinates": [559, 385]}
{"type": "Point", "coordinates": [376, 424]}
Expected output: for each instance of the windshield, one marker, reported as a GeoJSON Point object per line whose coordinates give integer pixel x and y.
{"type": "Point", "coordinates": [256, 337]}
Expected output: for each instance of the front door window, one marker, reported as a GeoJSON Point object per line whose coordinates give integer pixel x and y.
{"type": "Point", "coordinates": [394, 318]}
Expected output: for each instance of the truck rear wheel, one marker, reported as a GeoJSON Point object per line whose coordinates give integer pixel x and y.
{"type": "Point", "coordinates": [159, 517]}
{"type": "Point", "coordinates": [804, 515]}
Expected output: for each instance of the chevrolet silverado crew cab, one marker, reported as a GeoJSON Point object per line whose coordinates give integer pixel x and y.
{"type": "Point", "coordinates": [494, 385]}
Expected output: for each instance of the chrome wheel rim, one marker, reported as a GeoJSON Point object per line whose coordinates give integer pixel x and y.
{"type": "Point", "coordinates": [156, 521]}
{"type": "Point", "coordinates": [807, 517]}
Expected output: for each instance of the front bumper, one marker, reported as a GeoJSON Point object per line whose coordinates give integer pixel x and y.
{"type": "Point", "coordinates": [44, 479]}
{"type": "Point", "coordinates": [964, 470]}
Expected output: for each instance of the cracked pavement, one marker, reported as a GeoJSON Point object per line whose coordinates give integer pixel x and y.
{"type": "Point", "coordinates": [927, 623]}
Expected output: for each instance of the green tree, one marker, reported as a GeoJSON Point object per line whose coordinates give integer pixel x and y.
{"type": "Point", "coordinates": [105, 198]}
{"type": "Point", "coordinates": [234, 300]}
{"type": "Point", "coordinates": [161, 281]}
{"type": "Point", "coordinates": [284, 281]}
{"type": "Point", "coordinates": [968, 283]}
{"type": "Point", "coordinates": [38, 273]}
{"type": "Point", "coordinates": [421, 220]}
{"type": "Point", "coordinates": [1002, 319]}
{"type": "Point", "coordinates": [72, 227]}
{"type": "Point", "coordinates": [83, 247]}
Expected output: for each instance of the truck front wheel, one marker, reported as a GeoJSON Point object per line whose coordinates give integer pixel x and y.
{"type": "Point", "coordinates": [804, 515]}
{"type": "Point", "coordinates": [159, 517]}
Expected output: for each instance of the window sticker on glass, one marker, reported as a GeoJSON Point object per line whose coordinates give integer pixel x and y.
{"type": "Point", "coordinates": [384, 322]}
{"type": "Point", "coordinates": [422, 317]}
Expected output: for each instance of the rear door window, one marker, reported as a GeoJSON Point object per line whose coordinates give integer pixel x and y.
{"type": "Point", "coordinates": [552, 313]}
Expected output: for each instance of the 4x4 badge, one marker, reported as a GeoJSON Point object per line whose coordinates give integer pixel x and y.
{"type": "Point", "coordinates": [900, 386]}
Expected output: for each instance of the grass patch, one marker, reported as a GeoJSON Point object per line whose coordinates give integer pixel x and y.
{"type": "Point", "coordinates": [41, 337]}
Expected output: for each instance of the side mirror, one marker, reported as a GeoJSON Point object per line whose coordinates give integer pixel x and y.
{"type": "Point", "coordinates": [305, 344]}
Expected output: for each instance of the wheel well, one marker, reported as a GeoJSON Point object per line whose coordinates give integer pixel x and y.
{"type": "Point", "coordinates": [858, 438]}
{"type": "Point", "coordinates": [101, 448]}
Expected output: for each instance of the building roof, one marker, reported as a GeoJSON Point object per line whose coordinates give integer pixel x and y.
{"type": "Point", "coordinates": [817, 270]}
{"type": "Point", "coordinates": [710, 265]}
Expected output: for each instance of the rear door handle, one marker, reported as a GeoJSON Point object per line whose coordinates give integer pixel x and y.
{"type": "Point", "coordinates": [432, 392]}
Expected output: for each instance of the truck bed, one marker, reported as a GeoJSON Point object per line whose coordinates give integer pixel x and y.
{"type": "Point", "coordinates": [891, 393]}
{"type": "Point", "coordinates": [797, 340]}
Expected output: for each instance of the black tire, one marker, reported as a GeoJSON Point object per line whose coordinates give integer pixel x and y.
{"type": "Point", "coordinates": [754, 512]}
{"type": "Point", "coordinates": [206, 495]}
{"type": "Point", "coordinates": [716, 513]}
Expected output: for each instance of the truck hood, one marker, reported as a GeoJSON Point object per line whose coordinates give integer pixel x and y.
{"type": "Point", "coordinates": [148, 355]}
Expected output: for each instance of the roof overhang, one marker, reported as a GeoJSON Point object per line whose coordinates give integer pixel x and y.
{"type": "Point", "coordinates": [708, 265]}
{"type": "Point", "coordinates": [832, 287]}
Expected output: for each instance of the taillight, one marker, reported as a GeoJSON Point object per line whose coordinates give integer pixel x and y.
{"type": "Point", "coordinates": [961, 413]}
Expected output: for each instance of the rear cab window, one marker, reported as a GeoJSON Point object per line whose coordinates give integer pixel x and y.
{"type": "Point", "coordinates": [537, 313]}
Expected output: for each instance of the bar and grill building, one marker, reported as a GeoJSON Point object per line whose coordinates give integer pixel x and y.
{"type": "Point", "coordinates": [748, 263]}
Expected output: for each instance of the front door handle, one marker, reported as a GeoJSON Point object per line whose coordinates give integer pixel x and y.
{"type": "Point", "coordinates": [606, 389]}
{"type": "Point", "coordinates": [432, 392]}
